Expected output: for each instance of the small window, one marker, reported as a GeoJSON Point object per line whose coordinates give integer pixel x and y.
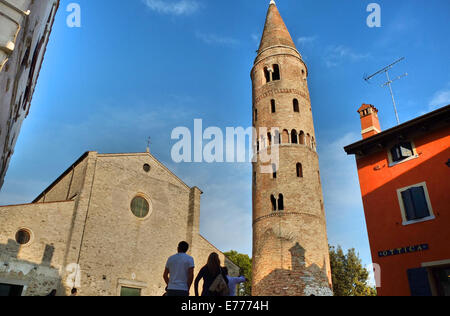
{"type": "Point", "coordinates": [415, 203]}
{"type": "Point", "coordinates": [296, 106]}
{"type": "Point", "coordinates": [299, 170]}
{"type": "Point", "coordinates": [281, 202]}
{"type": "Point", "coordinates": [276, 73]}
{"type": "Point", "coordinates": [129, 291]}
{"type": "Point", "coordinates": [256, 115]}
{"type": "Point", "coordinates": [285, 137]}
{"type": "Point", "coordinates": [23, 237]}
{"type": "Point", "coordinates": [267, 74]}
{"type": "Point", "coordinates": [140, 207]}
{"type": "Point", "coordinates": [294, 137]}
{"type": "Point", "coordinates": [301, 137]}
{"type": "Point", "coordinates": [147, 167]}
{"type": "Point", "coordinates": [402, 151]}
{"type": "Point", "coordinates": [273, 200]}
{"type": "Point", "coordinates": [274, 171]}
{"type": "Point", "coordinates": [273, 106]}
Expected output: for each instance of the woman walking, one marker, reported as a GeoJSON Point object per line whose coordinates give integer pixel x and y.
{"type": "Point", "coordinates": [213, 275]}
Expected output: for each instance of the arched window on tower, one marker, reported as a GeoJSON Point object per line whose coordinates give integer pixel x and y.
{"type": "Point", "coordinates": [273, 106]}
{"type": "Point", "coordinates": [296, 106]}
{"type": "Point", "coordinates": [294, 137]}
{"type": "Point", "coordinates": [273, 200]}
{"type": "Point", "coordinates": [274, 171]}
{"type": "Point", "coordinates": [267, 74]}
{"type": "Point", "coordinates": [285, 139]}
{"type": "Point", "coordinates": [256, 115]}
{"type": "Point", "coordinates": [299, 170]}
{"type": "Point", "coordinates": [276, 73]}
{"type": "Point", "coordinates": [281, 202]}
{"type": "Point", "coordinates": [269, 139]}
{"type": "Point", "coordinates": [301, 137]}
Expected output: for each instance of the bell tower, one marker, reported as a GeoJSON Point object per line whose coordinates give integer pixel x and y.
{"type": "Point", "coordinates": [290, 246]}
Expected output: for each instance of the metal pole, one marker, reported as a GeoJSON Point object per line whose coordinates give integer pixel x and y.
{"type": "Point", "coordinates": [392, 95]}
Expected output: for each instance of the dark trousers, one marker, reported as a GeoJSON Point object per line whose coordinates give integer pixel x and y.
{"type": "Point", "coordinates": [177, 293]}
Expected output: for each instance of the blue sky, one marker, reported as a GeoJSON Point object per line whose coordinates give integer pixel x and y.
{"type": "Point", "coordinates": [141, 68]}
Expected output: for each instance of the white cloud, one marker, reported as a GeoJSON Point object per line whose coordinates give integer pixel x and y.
{"type": "Point", "coordinates": [214, 39]}
{"type": "Point", "coordinates": [256, 38]}
{"type": "Point", "coordinates": [306, 40]}
{"type": "Point", "coordinates": [440, 98]}
{"type": "Point", "coordinates": [338, 54]}
{"type": "Point", "coordinates": [180, 7]}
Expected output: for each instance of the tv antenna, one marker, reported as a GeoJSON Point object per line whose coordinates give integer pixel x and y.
{"type": "Point", "coordinates": [389, 82]}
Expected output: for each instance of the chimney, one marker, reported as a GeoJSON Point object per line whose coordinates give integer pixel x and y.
{"type": "Point", "coordinates": [370, 125]}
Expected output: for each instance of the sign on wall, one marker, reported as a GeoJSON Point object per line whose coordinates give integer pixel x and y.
{"type": "Point", "coordinates": [403, 250]}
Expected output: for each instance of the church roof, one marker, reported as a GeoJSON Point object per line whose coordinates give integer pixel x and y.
{"type": "Point", "coordinates": [85, 156]}
{"type": "Point", "coordinates": [275, 31]}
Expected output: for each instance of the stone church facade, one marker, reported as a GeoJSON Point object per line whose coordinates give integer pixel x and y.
{"type": "Point", "coordinates": [290, 246]}
{"type": "Point", "coordinates": [106, 226]}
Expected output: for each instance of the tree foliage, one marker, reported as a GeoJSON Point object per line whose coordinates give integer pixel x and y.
{"type": "Point", "coordinates": [244, 262]}
{"type": "Point", "coordinates": [350, 277]}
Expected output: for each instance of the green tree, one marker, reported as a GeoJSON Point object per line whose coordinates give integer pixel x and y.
{"type": "Point", "coordinates": [350, 277]}
{"type": "Point", "coordinates": [244, 262]}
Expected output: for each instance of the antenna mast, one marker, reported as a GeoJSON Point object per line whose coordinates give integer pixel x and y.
{"type": "Point", "coordinates": [389, 82]}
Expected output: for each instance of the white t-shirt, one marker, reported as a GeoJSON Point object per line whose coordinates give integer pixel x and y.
{"type": "Point", "coordinates": [178, 266]}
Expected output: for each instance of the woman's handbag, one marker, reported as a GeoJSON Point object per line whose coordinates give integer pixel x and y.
{"type": "Point", "coordinates": [219, 286]}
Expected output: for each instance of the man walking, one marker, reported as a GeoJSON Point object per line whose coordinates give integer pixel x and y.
{"type": "Point", "coordinates": [179, 272]}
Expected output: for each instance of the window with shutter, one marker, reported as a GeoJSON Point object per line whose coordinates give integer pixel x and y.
{"type": "Point", "coordinates": [415, 204]}
{"type": "Point", "coordinates": [419, 282]}
{"type": "Point", "coordinates": [402, 151]}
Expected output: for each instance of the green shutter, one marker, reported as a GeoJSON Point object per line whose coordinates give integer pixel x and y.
{"type": "Point", "coordinates": [128, 291]}
{"type": "Point", "coordinates": [408, 205]}
{"type": "Point", "coordinates": [420, 202]}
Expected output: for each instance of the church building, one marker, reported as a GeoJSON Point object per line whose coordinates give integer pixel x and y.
{"type": "Point", "coordinates": [106, 227]}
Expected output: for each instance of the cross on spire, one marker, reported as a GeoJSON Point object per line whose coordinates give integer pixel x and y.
{"type": "Point", "coordinates": [149, 141]}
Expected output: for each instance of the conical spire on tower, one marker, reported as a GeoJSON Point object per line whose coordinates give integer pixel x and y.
{"type": "Point", "coordinates": [275, 31]}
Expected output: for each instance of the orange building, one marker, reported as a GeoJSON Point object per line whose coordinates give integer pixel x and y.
{"type": "Point", "coordinates": [404, 173]}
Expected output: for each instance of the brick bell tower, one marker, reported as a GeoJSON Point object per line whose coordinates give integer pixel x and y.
{"type": "Point", "coordinates": [290, 246]}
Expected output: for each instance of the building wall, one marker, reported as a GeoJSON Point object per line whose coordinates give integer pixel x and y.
{"type": "Point", "coordinates": [23, 40]}
{"type": "Point", "coordinates": [379, 185]}
{"type": "Point", "coordinates": [38, 265]}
